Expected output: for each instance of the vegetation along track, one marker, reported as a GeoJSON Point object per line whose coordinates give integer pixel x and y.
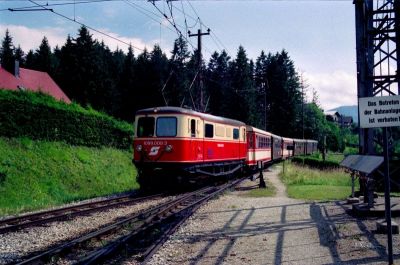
{"type": "Point", "coordinates": [18, 222]}
{"type": "Point", "coordinates": [145, 232]}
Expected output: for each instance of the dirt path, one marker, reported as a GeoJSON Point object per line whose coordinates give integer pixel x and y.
{"type": "Point", "coordinates": [236, 229]}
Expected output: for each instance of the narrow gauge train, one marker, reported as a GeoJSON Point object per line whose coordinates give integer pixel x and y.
{"type": "Point", "coordinates": [176, 145]}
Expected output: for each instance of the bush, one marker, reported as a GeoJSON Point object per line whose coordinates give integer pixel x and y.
{"type": "Point", "coordinates": [41, 117]}
{"type": "Point", "coordinates": [315, 162]}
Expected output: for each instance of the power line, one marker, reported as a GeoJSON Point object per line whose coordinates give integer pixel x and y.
{"type": "Point", "coordinates": [215, 38]}
{"type": "Point", "coordinates": [82, 24]}
{"type": "Point", "coordinates": [144, 10]}
{"type": "Point", "coordinates": [28, 8]}
{"type": "Point", "coordinates": [172, 23]}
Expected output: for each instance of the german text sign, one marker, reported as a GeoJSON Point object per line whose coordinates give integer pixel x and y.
{"type": "Point", "coordinates": [379, 111]}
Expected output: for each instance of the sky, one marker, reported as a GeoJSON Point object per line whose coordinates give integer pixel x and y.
{"type": "Point", "coordinates": [319, 35]}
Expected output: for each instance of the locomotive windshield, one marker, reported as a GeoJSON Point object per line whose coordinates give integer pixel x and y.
{"type": "Point", "coordinates": [145, 127]}
{"type": "Point", "coordinates": [163, 127]}
{"type": "Point", "coordinates": [166, 126]}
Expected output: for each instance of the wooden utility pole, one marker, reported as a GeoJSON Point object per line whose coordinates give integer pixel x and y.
{"type": "Point", "coordinates": [201, 106]}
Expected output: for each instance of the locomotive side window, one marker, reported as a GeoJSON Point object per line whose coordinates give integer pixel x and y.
{"type": "Point", "coordinates": [209, 130]}
{"type": "Point", "coordinates": [193, 128]}
{"type": "Point", "coordinates": [228, 132]}
{"type": "Point", "coordinates": [145, 127]}
{"type": "Point", "coordinates": [235, 133]}
{"type": "Point", "coordinates": [220, 131]}
{"type": "Point", "coordinates": [166, 126]}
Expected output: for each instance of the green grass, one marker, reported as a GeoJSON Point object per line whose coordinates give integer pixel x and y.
{"type": "Point", "coordinates": [270, 191]}
{"type": "Point", "coordinates": [332, 157]}
{"type": "Point", "coordinates": [36, 174]}
{"type": "Point", "coordinates": [313, 184]}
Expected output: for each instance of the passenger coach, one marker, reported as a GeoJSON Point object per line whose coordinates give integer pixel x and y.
{"type": "Point", "coordinates": [259, 144]}
{"type": "Point", "coordinates": [172, 141]}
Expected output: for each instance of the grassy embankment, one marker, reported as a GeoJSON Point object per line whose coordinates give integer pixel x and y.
{"type": "Point", "coordinates": [40, 174]}
{"type": "Point", "coordinates": [307, 183]}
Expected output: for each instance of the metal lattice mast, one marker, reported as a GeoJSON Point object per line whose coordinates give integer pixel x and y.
{"type": "Point", "coordinates": [377, 41]}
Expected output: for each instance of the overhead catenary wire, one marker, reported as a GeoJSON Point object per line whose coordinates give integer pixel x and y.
{"type": "Point", "coordinates": [148, 13]}
{"type": "Point", "coordinates": [172, 23]}
{"type": "Point", "coordinates": [87, 26]}
{"type": "Point", "coordinates": [197, 20]}
{"type": "Point", "coordinates": [28, 8]}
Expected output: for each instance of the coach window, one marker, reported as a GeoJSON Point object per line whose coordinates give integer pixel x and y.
{"type": "Point", "coordinates": [235, 133]}
{"type": "Point", "coordinates": [193, 127]}
{"type": "Point", "coordinates": [209, 130]}
{"type": "Point", "coordinates": [166, 126]}
{"type": "Point", "coordinates": [145, 127]}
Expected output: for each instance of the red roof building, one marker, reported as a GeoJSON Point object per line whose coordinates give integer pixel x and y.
{"type": "Point", "coordinates": [32, 80]}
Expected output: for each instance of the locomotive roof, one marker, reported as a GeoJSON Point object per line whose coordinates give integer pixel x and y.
{"type": "Point", "coordinates": [177, 110]}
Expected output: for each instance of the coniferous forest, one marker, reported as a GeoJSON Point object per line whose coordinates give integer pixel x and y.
{"type": "Point", "coordinates": [266, 93]}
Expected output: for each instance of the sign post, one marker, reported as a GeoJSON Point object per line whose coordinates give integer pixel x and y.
{"type": "Point", "coordinates": [382, 112]}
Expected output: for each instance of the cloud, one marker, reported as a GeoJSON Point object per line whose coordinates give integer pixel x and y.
{"type": "Point", "coordinates": [114, 43]}
{"type": "Point", "coordinates": [30, 38]}
{"type": "Point", "coordinates": [334, 89]}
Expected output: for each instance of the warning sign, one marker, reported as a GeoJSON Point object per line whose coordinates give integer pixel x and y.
{"type": "Point", "coordinates": [379, 111]}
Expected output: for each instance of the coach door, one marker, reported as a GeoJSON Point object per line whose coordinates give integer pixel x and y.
{"type": "Point", "coordinates": [196, 143]}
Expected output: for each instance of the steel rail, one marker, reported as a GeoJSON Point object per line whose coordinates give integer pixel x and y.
{"type": "Point", "coordinates": [43, 256]}
{"type": "Point", "coordinates": [139, 223]}
{"type": "Point", "coordinates": [19, 222]}
{"type": "Point", "coordinates": [184, 205]}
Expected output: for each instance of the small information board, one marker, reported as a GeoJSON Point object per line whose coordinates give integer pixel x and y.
{"type": "Point", "coordinates": [364, 164]}
{"type": "Point", "coordinates": [379, 111]}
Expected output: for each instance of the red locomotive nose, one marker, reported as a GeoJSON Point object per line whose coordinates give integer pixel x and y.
{"type": "Point", "coordinates": [152, 151]}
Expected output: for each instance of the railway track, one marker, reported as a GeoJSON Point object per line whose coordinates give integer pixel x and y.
{"type": "Point", "coordinates": [139, 235]}
{"type": "Point", "coordinates": [35, 219]}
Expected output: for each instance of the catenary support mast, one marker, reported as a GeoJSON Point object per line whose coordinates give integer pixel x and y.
{"type": "Point", "coordinates": [377, 42]}
{"type": "Point", "coordinates": [200, 66]}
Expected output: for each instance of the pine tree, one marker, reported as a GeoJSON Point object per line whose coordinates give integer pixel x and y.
{"type": "Point", "coordinates": [86, 66]}
{"type": "Point", "coordinates": [127, 87]}
{"type": "Point", "coordinates": [283, 96]}
{"type": "Point", "coordinates": [242, 85]}
{"type": "Point", "coordinates": [43, 57]}
{"type": "Point", "coordinates": [20, 55]}
{"type": "Point", "coordinates": [179, 83]}
{"type": "Point", "coordinates": [30, 60]}
{"type": "Point", "coordinates": [261, 84]}
{"type": "Point", "coordinates": [66, 76]}
{"type": "Point", "coordinates": [219, 84]}
{"type": "Point", "coordinates": [158, 75]}
{"type": "Point", "coordinates": [7, 57]}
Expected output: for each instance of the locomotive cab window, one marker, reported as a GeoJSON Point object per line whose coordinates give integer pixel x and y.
{"type": "Point", "coordinates": [166, 126]}
{"type": "Point", "coordinates": [145, 127]}
{"type": "Point", "coordinates": [209, 130]}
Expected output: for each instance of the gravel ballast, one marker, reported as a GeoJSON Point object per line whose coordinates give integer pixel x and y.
{"type": "Point", "coordinates": [15, 245]}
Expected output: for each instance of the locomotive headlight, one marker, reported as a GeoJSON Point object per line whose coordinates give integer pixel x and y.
{"type": "Point", "coordinates": [168, 148]}
{"type": "Point", "coordinates": [139, 148]}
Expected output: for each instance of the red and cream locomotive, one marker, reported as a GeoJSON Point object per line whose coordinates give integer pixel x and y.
{"type": "Point", "coordinates": [174, 144]}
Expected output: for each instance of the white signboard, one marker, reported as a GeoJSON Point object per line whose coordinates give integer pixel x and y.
{"type": "Point", "coordinates": [379, 111]}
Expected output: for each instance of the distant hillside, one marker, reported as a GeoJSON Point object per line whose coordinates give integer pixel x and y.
{"type": "Point", "coordinates": [348, 111]}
